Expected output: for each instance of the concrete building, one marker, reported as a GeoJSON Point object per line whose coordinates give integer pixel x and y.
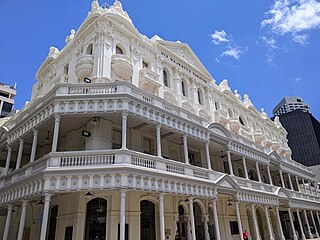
{"type": "Point", "coordinates": [127, 137]}
{"type": "Point", "coordinates": [7, 94]}
{"type": "Point", "coordinates": [289, 104]}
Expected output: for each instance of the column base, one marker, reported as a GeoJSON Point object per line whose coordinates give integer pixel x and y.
{"type": "Point", "coordinates": [303, 237]}
{"type": "Point", "coordinates": [295, 237]}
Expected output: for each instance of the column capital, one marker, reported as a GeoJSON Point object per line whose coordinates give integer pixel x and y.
{"type": "Point", "coordinates": [57, 117]}
{"type": "Point", "coordinates": [24, 202]}
{"type": "Point", "coordinates": [21, 141]}
{"type": "Point", "coordinates": [10, 207]}
{"type": "Point", "coordinates": [207, 144]}
{"type": "Point", "coordinates": [10, 148]}
{"type": "Point", "coordinates": [124, 114]}
{"type": "Point", "coordinates": [190, 199]}
{"type": "Point", "coordinates": [47, 197]}
{"type": "Point", "coordinates": [185, 136]}
{"type": "Point", "coordinates": [35, 132]}
{"type": "Point", "coordinates": [158, 126]}
{"type": "Point", "coordinates": [161, 196]}
{"type": "Point", "coordinates": [123, 193]}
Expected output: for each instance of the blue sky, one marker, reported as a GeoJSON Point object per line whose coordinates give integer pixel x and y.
{"type": "Point", "coordinates": [267, 49]}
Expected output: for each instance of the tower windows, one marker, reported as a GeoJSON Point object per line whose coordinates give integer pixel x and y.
{"type": "Point", "coordinates": [165, 78]}
{"type": "Point", "coordinates": [89, 49]}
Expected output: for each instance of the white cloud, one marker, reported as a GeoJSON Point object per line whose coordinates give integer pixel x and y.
{"type": "Point", "coordinates": [234, 52]}
{"type": "Point", "coordinates": [298, 79]}
{"type": "Point", "coordinates": [219, 37]}
{"type": "Point", "coordinates": [217, 60]}
{"type": "Point", "coordinates": [270, 42]}
{"type": "Point", "coordinates": [301, 39]}
{"type": "Point", "coordinates": [293, 16]}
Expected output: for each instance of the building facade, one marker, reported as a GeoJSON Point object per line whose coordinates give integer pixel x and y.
{"type": "Point", "coordinates": [7, 94]}
{"type": "Point", "coordinates": [127, 137]}
{"type": "Point", "coordinates": [289, 104]}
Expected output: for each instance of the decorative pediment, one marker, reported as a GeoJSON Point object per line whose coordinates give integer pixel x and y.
{"type": "Point", "coordinates": [187, 105]}
{"type": "Point", "coordinates": [227, 182]}
{"type": "Point", "coordinates": [183, 51]}
{"type": "Point", "coordinates": [219, 130]}
{"type": "Point", "coordinates": [274, 156]}
{"type": "Point", "coordinates": [283, 193]}
{"type": "Point", "coordinates": [169, 97]}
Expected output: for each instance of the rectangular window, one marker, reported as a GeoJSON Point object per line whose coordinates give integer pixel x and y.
{"type": "Point", "coordinates": [145, 64]}
{"type": "Point", "coordinates": [234, 228]}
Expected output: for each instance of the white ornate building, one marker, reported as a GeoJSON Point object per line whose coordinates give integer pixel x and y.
{"type": "Point", "coordinates": [127, 137]}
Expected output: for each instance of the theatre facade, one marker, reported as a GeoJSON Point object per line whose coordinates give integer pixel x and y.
{"type": "Point", "coordinates": [128, 137]}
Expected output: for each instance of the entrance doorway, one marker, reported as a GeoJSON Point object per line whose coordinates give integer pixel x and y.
{"type": "Point", "coordinates": [96, 219]}
{"type": "Point", "coordinates": [198, 222]}
{"type": "Point", "coordinates": [147, 220]}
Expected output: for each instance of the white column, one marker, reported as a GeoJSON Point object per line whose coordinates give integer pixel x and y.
{"type": "Point", "coordinates": [239, 220]}
{"type": "Point", "coordinates": [8, 160]}
{"type": "Point", "coordinates": [269, 175]}
{"type": "Point", "coordinates": [258, 171]}
{"type": "Point", "coordinates": [162, 224]}
{"type": "Point", "coordinates": [314, 224]}
{"type": "Point", "coordinates": [122, 214]}
{"type": "Point", "coordinates": [34, 145]}
{"type": "Point", "coordinates": [158, 131]}
{"type": "Point", "coordinates": [207, 145]}
{"type": "Point", "coordinates": [216, 220]}
{"type": "Point", "coordinates": [57, 119]}
{"type": "Point", "coordinates": [301, 227]}
{"type": "Point", "coordinates": [205, 219]}
{"type": "Point", "coordinates": [45, 216]}
{"type": "Point", "coordinates": [309, 184]}
{"type": "Point", "coordinates": [297, 181]}
{"type": "Point", "coordinates": [19, 157]}
{"type": "Point", "coordinates": [185, 149]}
{"type": "Point", "coordinates": [295, 237]}
{"type": "Point", "coordinates": [244, 163]}
{"type": "Point", "coordinates": [22, 219]}
{"type": "Point", "coordinates": [318, 217]}
{"type": "Point", "coordinates": [124, 129]}
{"type": "Point", "coordinates": [315, 188]}
{"type": "Point", "coordinates": [279, 224]}
{"type": "Point", "coordinates": [8, 222]}
{"type": "Point", "coordinates": [230, 162]}
{"type": "Point", "coordinates": [304, 186]}
{"type": "Point", "coordinates": [307, 222]}
{"type": "Point", "coordinates": [255, 223]}
{"type": "Point", "coordinates": [290, 181]}
{"type": "Point", "coordinates": [266, 209]}
{"type": "Point", "coordinates": [282, 180]}
{"type": "Point", "coordinates": [193, 228]}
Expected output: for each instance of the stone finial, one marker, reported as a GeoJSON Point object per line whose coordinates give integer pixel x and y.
{"type": "Point", "coordinates": [71, 36]}
{"type": "Point", "coordinates": [237, 95]}
{"type": "Point", "coordinates": [277, 122]}
{"type": "Point", "coordinates": [224, 85]}
{"type": "Point", "coordinates": [263, 114]}
{"type": "Point", "coordinates": [246, 100]}
{"type": "Point", "coordinates": [53, 52]}
{"type": "Point", "coordinates": [95, 5]}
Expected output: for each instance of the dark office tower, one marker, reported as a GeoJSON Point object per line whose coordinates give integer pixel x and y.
{"type": "Point", "coordinates": [303, 133]}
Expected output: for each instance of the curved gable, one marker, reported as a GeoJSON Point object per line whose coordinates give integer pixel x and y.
{"type": "Point", "coordinates": [218, 129]}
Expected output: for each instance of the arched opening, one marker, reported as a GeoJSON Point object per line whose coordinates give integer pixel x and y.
{"type": "Point", "coordinates": [89, 49]}
{"type": "Point", "coordinates": [200, 97]}
{"type": "Point", "coordinates": [261, 224]}
{"type": "Point", "coordinates": [183, 88]}
{"type": "Point", "coordinates": [53, 223]}
{"type": "Point", "coordinates": [147, 220]}
{"type": "Point", "coordinates": [198, 222]}
{"type": "Point", "coordinates": [96, 219]}
{"type": "Point", "coordinates": [182, 224]}
{"type": "Point", "coordinates": [252, 175]}
{"type": "Point", "coordinates": [165, 78]}
{"type": "Point", "coordinates": [119, 50]}
{"type": "Point", "coordinates": [241, 121]}
{"type": "Point", "coordinates": [211, 227]}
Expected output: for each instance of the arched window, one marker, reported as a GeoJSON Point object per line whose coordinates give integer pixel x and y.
{"type": "Point", "coordinates": [147, 220]}
{"type": "Point", "coordinates": [241, 121]}
{"type": "Point", "coordinates": [89, 49]}
{"type": "Point", "coordinates": [53, 223]}
{"type": "Point", "coordinates": [96, 219]}
{"type": "Point", "coordinates": [230, 112]}
{"type": "Point", "coordinates": [183, 88]}
{"type": "Point", "coordinates": [165, 78]}
{"type": "Point", "coordinates": [119, 50]}
{"type": "Point", "coordinates": [199, 97]}
{"type": "Point", "coordinates": [216, 106]}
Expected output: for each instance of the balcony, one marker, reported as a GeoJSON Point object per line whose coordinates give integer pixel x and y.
{"type": "Point", "coordinates": [234, 124]}
{"type": "Point", "coordinates": [122, 66]}
{"type": "Point", "coordinates": [149, 80]}
{"type": "Point", "coordinates": [221, 117]}
{"type": "Point", "coordinates": [84, 66]}
{"type": "Point", "coordinates": [258, 136]}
